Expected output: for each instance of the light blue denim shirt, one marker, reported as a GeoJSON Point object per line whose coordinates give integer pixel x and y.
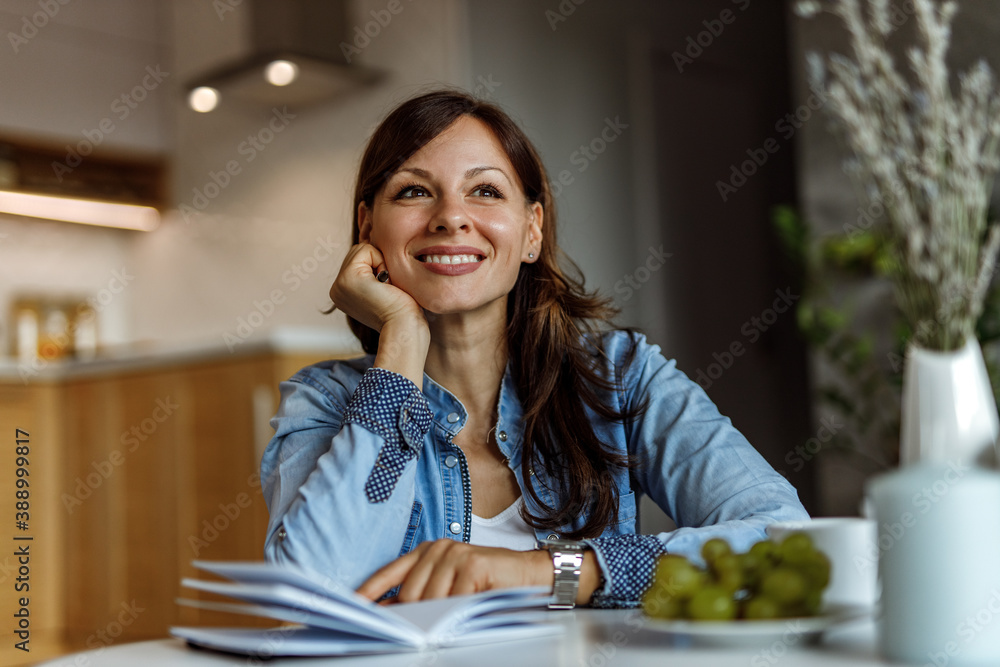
{"type": "Point", "coordinates": [362, 468]}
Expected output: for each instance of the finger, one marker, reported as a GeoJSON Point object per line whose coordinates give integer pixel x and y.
{"type": "Point", "coordinates": [358, 260]}
{"type": "Point", "coordinates": [440, 580]}
{"type": "Point", "coordinates": [380, 269]}
{"type": "Point", "coordinates": [388, 576]}
{"type": "Point", "coordinates": [380, 582]}
{"type": "Point", "coordinates": [362, 255]}
{"type": "Point", "coordinates": [411, 588]}
{"type": "Point", "coordinates": [371, 256]}
{"type": "Point", "coordinates": [433, 564]}
{"type": "Point", "coordinates": [385, 579]}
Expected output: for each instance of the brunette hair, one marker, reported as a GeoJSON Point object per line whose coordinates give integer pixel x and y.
{"type": "Point", "coordinates": [552, 321]}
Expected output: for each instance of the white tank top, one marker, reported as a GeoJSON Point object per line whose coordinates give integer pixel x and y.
{"type": "Point", "coordinates": [507, 530]}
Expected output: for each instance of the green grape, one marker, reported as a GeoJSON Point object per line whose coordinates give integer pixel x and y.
{"type": "Point", "coordinates": [813, 602]}
{"type": "Point", "coordinates": [668, 560]}
{"type": "Point", "coordinates": [771, 580]}
{"type": "Point", "coordinates": [670, 564]}
{"type": "Point", "coordinates": [761, 607]}
{"type": "Point", "coordinates": [817, 570]}
{"type": "Point", "coordinates": [766, 551]}
{"type": "Point", "coordinates": [726, 562]}
{"type": "Point", "coordinates": [714, 548]}
{"type": "Point", "coordinates": [785, 585]}
{"type": "Point", "coordinates": [678, 577]}
{"type": "Point", "coordinates": [796, 549]}
{"type": "Point", "coordinates": [712, 603]}
{"type": "Point", "coordinates": [752, 565]}
{"type": "Point", "coordinates": [729, 572]}
{"type": "Point", "coordinates": [659, 605]}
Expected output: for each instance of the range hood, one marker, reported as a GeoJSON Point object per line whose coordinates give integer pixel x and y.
{"type": "Point", "coordinates": [304, 39]}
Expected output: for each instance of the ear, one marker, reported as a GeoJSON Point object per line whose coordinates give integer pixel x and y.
{"type": "Point", "coordinates": [364, 223]}
{"type": "Point", "coordinates": [533, 245]}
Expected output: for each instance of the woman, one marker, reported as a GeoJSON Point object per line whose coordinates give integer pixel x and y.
{"type": "Point", "coordinates": [496, 407]}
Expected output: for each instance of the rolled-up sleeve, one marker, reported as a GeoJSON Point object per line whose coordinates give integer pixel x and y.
{"type": "Point", "coordinates": [698, 468]}
{"type": "Point", "coordinates": [338, 476]}
{"type": "Point", "coordinates": [388, 405]}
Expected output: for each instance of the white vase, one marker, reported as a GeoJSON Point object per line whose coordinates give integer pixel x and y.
{"type": "Point", "coordinates": [949, 412]}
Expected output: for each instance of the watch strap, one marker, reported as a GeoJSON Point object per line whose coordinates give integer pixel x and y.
{"type": "Point", "coordinates": [567, 562]}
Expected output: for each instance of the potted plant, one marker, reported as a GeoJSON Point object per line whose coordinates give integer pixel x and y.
{"type": "Point", "coordinates": [925, 157]}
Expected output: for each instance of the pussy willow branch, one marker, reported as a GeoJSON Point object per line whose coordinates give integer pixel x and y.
{"type": "Point", "coordinates": [928, 154]}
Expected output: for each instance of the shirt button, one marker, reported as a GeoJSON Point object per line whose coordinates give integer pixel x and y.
{"type": "Point", "coordinates": [502, 436]}
{"type": "Point", "coordinates": [281, 533]}
{"type": "Point", "coordinates": [455, 528]}
{"type": "Point", "coordinates": [552, 536]}
{"type": "Point", "coordinates": [451, 460]}
{"type": "Point", "coordinates": [453, 417]}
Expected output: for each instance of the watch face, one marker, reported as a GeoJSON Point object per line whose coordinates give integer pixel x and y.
{"type": "Point", "coordinates": [563, 544]}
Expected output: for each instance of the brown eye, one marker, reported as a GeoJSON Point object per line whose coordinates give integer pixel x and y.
{"type": "Point", "coordinates": [410, 191]}
{"type": "Point", "coordinates": [488, 191]}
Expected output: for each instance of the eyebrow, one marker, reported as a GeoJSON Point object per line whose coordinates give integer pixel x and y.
{"type": "Point", "coordinates": [471, 173]}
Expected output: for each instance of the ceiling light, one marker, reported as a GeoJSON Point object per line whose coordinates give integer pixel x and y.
{"type": "Point", "coordinates": [83, 211]}
{"type": "Point", "coordinates": [203, 99]}
{"type": "Point", "coordinates": [281, 72]}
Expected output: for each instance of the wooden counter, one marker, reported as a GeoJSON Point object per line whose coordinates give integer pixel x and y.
{"type": "Point", "coordinates": [136, 468]}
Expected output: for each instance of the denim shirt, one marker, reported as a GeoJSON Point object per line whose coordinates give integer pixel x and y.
{"type": "Point", "coordinates": [362, 468]}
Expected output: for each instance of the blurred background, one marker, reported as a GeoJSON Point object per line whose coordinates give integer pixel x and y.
{"type": "Point", "coordinates": [696, 184]}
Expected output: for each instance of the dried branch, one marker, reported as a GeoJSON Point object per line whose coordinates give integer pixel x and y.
{"type": "Point", "coordinates": [928, 155]}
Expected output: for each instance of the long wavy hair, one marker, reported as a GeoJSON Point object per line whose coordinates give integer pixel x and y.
{"type": "Point", "coordinates": [553, 323]}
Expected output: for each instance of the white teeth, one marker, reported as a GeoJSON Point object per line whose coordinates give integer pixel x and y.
{"type": "Point", "coordinates": [451, 259]}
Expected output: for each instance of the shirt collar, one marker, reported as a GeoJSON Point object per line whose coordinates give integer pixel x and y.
{"type": "Point", "coordinates": [510, 424]}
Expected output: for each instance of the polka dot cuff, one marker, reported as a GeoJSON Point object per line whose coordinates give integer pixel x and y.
{"type": "Point", "coordinates": [390, 406]}
{"type": "Point", "coordinates": [629, 562]}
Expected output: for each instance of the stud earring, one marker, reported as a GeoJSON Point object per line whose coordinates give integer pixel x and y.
{"type": "Point", "coordinates": [531, 255]}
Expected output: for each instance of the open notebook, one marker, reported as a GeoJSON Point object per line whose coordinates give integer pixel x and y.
{"type": "Point", "coordinates": [333, 620]}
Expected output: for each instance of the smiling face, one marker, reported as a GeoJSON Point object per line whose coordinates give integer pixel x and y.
{"type": "Point", "coordinates": [453, 223]}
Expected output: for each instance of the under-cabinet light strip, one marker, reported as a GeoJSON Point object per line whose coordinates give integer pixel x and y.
{"type": "Point", "coordinates": [83, 211]}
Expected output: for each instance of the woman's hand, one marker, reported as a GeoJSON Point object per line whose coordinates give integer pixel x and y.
{"type": "Point", "coordinates": [403, 332]}
{"type": "Point", "coordinates": [358, 292]}
{"type": "Point", "coordinates": [446, 567]}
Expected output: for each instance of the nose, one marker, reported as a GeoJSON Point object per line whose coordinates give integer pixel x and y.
{"type": "Point", "coordinates": [449, 215]}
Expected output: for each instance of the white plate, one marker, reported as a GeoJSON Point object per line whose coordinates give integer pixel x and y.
{"type": "Point", "coordinates": [753, 633]}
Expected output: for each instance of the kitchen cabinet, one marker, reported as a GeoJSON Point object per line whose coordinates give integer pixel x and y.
{"type": "Point", "coordinates": [31, 576]}
{"type": "Point", "coordinates": [136, 469]}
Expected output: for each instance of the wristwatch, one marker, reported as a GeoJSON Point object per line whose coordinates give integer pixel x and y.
{"type": "Point", "coordinates": [567, 559]}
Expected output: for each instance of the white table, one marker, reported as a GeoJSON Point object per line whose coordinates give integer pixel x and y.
{"type": "Point", "coordinates": [593, 638]}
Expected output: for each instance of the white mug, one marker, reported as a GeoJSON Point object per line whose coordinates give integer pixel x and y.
{"type": "Point", "coordinates": [939, 564]}
{"type": "Point", "coordinates": [850, 544]}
